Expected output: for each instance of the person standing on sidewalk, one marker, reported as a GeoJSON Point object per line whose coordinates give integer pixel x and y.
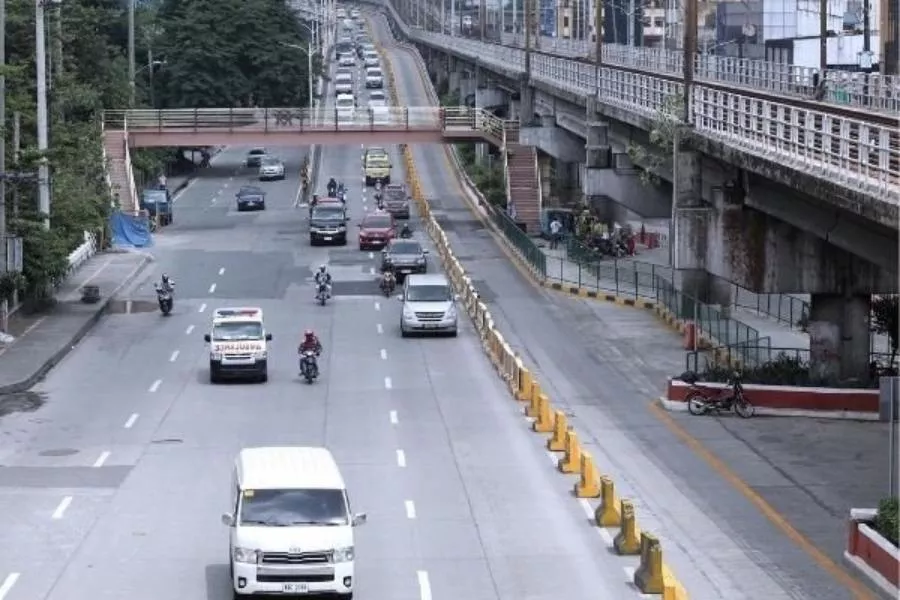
{"type": "Point", "coordinates": [555, 229]}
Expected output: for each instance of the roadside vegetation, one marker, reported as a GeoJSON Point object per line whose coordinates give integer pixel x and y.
{"type": "Point", "coordinates": [189, 53]}
{"type": "Point", "coordinates": [886, 522]}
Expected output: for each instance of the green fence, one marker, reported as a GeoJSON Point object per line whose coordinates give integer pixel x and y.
{"type": "Point", "coordinates": [520, 240]}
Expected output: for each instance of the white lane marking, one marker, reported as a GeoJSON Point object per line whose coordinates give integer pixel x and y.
{"type": "Point", "coordinates": [394, 419]}
{"type": "Point", "coordinates": [231, 178]}
{"type": "Point", "coordinates": [553, 458]}
{"type": "Point", "coordinates": [424, 585]}
{"type": "Point", "coordinates": [378, 306]}
{"type": "Point", "coordinates": [588, 509]}
{"type": "Point", "coordinates": [603, 532]}
{"type": "Point", "coordinates": [174, 356]}
{"type": "Point", "coordinates": [401, 458]}
{"type": "Point", "coordinates": [189, 329]}
{"type": "Point", "coordinates": [371, 270]}
{"type": "Point", "coordinates": [383, 354]}
{"type": "Point", "coordinates": [410, 509]}
{"type": "Point", "coordinates": [221, 270]}
{"type": "Point", "coordinates": [225, 186]}
{"type": "Point", "coordinates": [61, 509]}
{"type": "Point", "coordinates": [155, 385]}
{"type": "Point", "coordinates": [371, 255]}
{"type": "Point", "coordinates": [131, 420]}
{"type": "Point", "coordinates": [202, 307]}
{"type": "Point", "coordinates": [606, 536]}
{"type": "Point", "coordinates": [212, 289]}
{"type": "Point", "coordinates": [101, 459]}
{"type": "Point", "coordinates": [379, 328]}
{"type": "Point", "coordinates": [388, 384]}
{"type": "Point", "coordinates": [7, 585]}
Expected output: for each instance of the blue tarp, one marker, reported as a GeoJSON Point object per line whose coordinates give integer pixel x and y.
{"type": "Point", "coordinates": [129, 231]}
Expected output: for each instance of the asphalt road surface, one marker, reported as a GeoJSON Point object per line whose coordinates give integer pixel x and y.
{"type": "Point", "coordinates": [113, 488]}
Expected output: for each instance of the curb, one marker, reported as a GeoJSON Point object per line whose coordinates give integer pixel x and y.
{"type": "Point", "coordinates": [60, 354]}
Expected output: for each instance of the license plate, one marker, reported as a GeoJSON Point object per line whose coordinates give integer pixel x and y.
{"type": "Point", "coordinates": [295, 588]}
{"type": "Point", "coordinates": [327, 238]}
{"type": "Point", "coordinates": [406, 271]}
{"type": "Point", "coordinates": [431, 325]}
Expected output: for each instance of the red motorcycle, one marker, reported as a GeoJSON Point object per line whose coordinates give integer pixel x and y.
{"type": "Point", "coordinates": [702, 399]}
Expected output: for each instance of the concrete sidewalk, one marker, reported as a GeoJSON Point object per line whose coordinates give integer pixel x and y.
{"type": "Point", "coordinates": [43, 339]}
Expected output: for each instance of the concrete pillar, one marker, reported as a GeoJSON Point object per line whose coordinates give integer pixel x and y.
{"type": "Point", "coordinates": [690, 235]}
{"type": "Point", "coordinates": [526, 102]}
{"type": "Point", "coordinates": [839, 336]}
{"type": "Point", "coordinates": [453, 76]}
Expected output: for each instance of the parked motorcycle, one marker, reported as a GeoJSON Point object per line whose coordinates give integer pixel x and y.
{"type": "Point", "coordinates": [309, 366]}
{"type": "Point", "coordinates": [165, 300]}
{"type": "Point", "coordinates": [702, 400]}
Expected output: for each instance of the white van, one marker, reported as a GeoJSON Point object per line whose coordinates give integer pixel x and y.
{"type": "Point", "coordinates": [429, 305]}
{"type": "Point", "coordinates": [291, 525]}
{"type": "Point", "coordinates": [345, 108]}
{"type": "Point", "coordinates": [343, 83]}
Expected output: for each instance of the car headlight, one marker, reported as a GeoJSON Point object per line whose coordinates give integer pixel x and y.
{"type": "Point", "coordinates": [245, 555]}
{"type": "Point", "coordinates": [215, 356]}
{"type": "Point", "coordinates": [261, 355]}
{"type": "Point", "coordinates": [421, 260]}
{"type": "Point", "coordinates": [408, 313]}
{"type": "Point", "coordinates": [451, 313]}
{"type": "Point", "coordinates": [341, 555]}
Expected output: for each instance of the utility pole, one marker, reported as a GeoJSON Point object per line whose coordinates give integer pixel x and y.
{"type": "Point", "coordinates": [17, 149]}
{"type": "Point", "coordinates": [41, 68]}
{"type": "Point", "coordinates": [4, 305]}
{"type": "Point", "coordinates": [690, 53]}
{"type": "Point", "coordinates": [823, 39]}
{"type": "Point", "coordinates": [452, 15]}
{"type": "Point", "coordinates": [528, 5]}
{"type": "Point", "coordinates": [598, 37]}
{"type": "Point", "coordinates": [132, 64]}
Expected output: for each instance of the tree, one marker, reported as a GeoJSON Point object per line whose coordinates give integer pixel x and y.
{"type": "Point", "coordinates": [886, 321]}
{"type": "Point", "coordinates": [90, 74]}
{"type": "Point", "coordinates": [230, 53]}
{"type": "Point", "coordinates": [665, 129]}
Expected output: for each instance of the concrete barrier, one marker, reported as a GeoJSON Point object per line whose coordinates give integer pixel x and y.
{"type": "Point", "coordinates": [628, 541]}
{"type": "Point", "coordinates": [607, 514]}
{"type": "Point", "coordinates": [544, 422]}
{"type": "Point", "coordinates": [588, 485]}
{"type": "Point", "coordinates": [557, 442]}
{"type": "Point", "coordinates": [571, 460]}
{"type": "Point", "coordinates": [648, 577]}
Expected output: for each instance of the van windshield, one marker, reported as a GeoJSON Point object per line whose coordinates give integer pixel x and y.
{"type": "Point", "coordinates": [233, 331]}
{"type": "Point", "coordinates": [427, 293]}
{"type": "Point", "coordinates": [284, 508]}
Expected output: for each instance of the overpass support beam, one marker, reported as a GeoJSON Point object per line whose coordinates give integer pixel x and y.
{"type": "Point", "coordinates": [691, 222]}
{"type": "Point", "coordinates": [526, 102]}
{"type": "Point", "coordinates": [839, 336]}
{"type": "Point", "coordinates": [454, 70]}
{"type": "Point", "coordinates": [555, 141]}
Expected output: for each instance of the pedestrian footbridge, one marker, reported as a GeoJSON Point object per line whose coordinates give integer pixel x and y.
{"type": "Point", "coordinates": [301, 126]}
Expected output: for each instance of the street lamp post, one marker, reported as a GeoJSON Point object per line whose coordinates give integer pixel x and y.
{"type": "Point", "coordinates": [309, 70]}
{"type": "Point", "coordinates": [42, 125]}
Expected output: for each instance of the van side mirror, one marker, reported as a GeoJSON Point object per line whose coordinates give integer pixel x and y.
{"type": "Point", "coordinates": [424, 251]}
{"type": "Point", "coordinates": [400, 297]}
{"type": "Point", "coordinates": [359, 519]}
{"type": "Point", "coordinates": [456, 297]}
{"type": "Point", "coordinates": [228, 519]}
{"type": "Point", "coordinates": [268, 337]}
{"type": "Point", "coordinates": [206, 338]}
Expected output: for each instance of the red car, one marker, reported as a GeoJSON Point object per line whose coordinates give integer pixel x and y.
{"type": "Point", "coordinates": [376, 230]}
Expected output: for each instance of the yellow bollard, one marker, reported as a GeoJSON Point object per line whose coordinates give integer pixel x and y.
{"type": "Point", "coordinates": [532, 409]}
{"type": "Point", "coordinates": [628, 541]}
{"type": "Point", "coordinates": [672, 588]}
{"type": "Point", "coordinates": [588, 485]}
{"type": "Point", "coordinates": [524, 391]}
{"type": "Point", "coordinates": [571, 460]}
{"type": "Point", "coordinates": [648, 577]}
{"type": "Point", "coordinates": [557, 443]}
{"type": "Point", "coordinates": [607, 514]}
{"type": "Point", "coordinates": [544, 422]}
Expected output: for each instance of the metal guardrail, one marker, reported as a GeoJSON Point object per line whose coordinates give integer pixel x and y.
{"type": "Point", "coordinates": [209, 120]}
{"type": "Point", "coordinates": [852, 152]}
{"type": "Point", "coordinates": [871, 91]}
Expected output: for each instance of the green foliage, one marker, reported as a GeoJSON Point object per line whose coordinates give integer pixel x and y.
{"type": "Point", "coordinates": [230, 53]}
{"type": "Point", "coordinates": [667, 124]}
{"type": "Point", "coordinates": [490, 180]}
{"type": "Point", "coordinates": [886, 320]}
{"type": "Point", "coordinates": [886, 522]}
{"type": "Point", "coordinates": [89, 73]}
{"type": "Point", "coordinates": [784, 369]}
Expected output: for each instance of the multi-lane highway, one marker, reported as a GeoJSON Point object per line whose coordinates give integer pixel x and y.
{"type": "Point", "coordinates": [114, 487]}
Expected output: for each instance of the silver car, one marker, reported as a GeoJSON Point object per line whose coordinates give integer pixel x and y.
{"type": "Point", "coordinates": [429, 305]}
{"type": "Point", "coordinates": [271, 168]}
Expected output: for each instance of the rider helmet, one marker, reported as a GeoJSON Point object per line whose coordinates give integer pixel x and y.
{"type": "Point", "coordinates": [321, 268]}
{"type": "Point", "coordinates": [308, 335]}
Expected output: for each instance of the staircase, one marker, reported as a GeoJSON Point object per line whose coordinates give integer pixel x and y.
{"type": "Point", "coordinates": [118, 169]}
{"type": "Point", "coordinates": [522, 180]}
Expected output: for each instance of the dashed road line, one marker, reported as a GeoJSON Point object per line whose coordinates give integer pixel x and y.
{"type": "Point", "coordinates": [212, 289]}
{"type": "Point", "coordinates": [101, 460]}
{"type": "Point", "coordinates": [393, 417]}
{"type": "Point", "coordinates": [8, 584]}
{"type": "Point", "coordinates": [410, 509]}
{"type": "Point", "coordinates": [383, 354]}
{"type": "Point", "coordinates": [371, 270]}
{"type": "Point", "coordinates": [379, 328]}
{"type": "Point", "coordinates": [424, 585]}
{"type": "Point", "coordinates": [155, 385]}
{"type": "Point", "coordinates": [60, 511]}
{"type": "Point", "coordinates": [221, 270]}
{"type": "Point", "coordinates": [378, 306]}
{"type": "Point", "coordinates": [388, 384]}
{"type": "Point", "coordinates": [132, 420]}
{"type": "Point", "coordinates": [174, 356]}
{"type": "Point", "coordinates": [202, 307]}
{"type": "Point", "coordinates": [401, 458]}
{"type": "Point", "coordinates": [189, 330]}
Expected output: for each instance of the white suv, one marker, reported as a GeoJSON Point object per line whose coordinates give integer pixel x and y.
{"type": "Point", "coordinates": [429, 305]}
{"type": "Point", "coordinates": [374, 78]}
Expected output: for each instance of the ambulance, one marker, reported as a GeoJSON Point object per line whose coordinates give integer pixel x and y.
{"type": "Point", "coordinates": [238, 344]}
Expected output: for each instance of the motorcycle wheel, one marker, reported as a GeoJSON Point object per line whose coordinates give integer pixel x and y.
{"type": "Point", "coordinates": [322, 299]}
{"type": "Point", "coordinates": [743, 408]}
{"type": "Point", "coordinates": [697, 404]}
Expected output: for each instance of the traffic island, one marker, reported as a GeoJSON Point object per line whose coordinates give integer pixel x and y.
{"type": "Point", "coordinates": [871, 555]}
{"type": "Point", "coordinates": [789, 401]}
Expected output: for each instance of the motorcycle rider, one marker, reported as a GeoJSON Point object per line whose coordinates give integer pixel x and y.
{"type": "Point", "coordinates": [332, 187]}
{"type": "Point", "coordinates": [388, 282]}
{"type": "Point", "coordinates": [310, 343]}
{"type": "Point", "coordinates": [166, 284]}
{"type": "Point", "coordinates": [378, 192]}
{"type": "Point", "coordinates": [405, 231]}
{"type": "Point", "coordinates": [323, 277]}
